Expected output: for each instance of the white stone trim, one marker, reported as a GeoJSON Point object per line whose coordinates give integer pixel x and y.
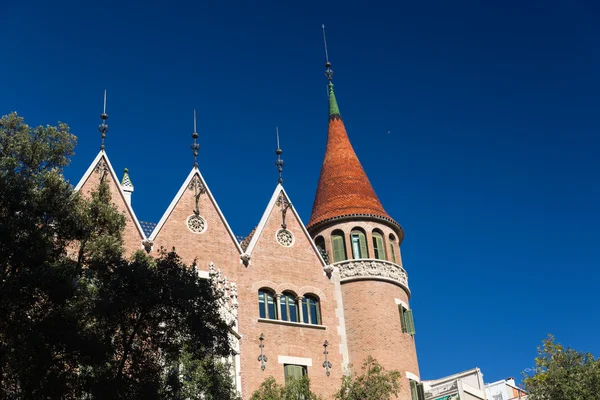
{"type": "Point", "coordinates": [203, 274]}
{"type": "Point", "coordinates": [413, 377]}
{"type": "Point", "coordinates": [401, 302]}
{"type": "Point", "coordinates": [175, 200]}
{"type": "Point", "coordinates": [307, 362]}
{"type": "Point", "coordinates": [84, 178]}
{"type": "Point", "coordinates": [263, 222]}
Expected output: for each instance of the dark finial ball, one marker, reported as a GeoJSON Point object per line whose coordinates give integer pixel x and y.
{"type": "Point", "coordinates": [104, 116]}
{"type": "Point", "coordinates": [328, 64]}
{"type": "Point", "coordinates": [195, 135]}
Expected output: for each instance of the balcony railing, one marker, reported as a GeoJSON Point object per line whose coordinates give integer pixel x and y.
{"type": "Point", "coordinates": [372, 269]}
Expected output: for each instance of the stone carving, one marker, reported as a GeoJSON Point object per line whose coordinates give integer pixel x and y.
{"type": "Point", "coordinates": [372, 269]}
{"type": "Point", "coordinates": [228, 294]}
{"type": "Point", "coordinates": [147, 243]}
{"type": "Point", "coordinates": [196, 185]}
{"type": "Point", "coordinates": [101, 168]}
{"type": "Point", "coordinates": [285, 238]}
{"type": "Point", "coordinates": [196, 223]}
{"type": "Point", "coordinates": [245, 257]}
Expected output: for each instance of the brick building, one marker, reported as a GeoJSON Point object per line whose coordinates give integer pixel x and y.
{"type": "Point", "coordinates": [313, 299]}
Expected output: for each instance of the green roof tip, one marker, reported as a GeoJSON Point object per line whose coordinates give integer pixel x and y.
{"type": "Point", "coordinates": [126, 181]}
{"type": "Point", "coordinates": [333, 106]}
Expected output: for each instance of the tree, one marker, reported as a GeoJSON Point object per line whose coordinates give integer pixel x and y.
{"type": "Point", "coordinates": [295, 389]}
{"type": "Point", "coordinates": [77, 319]}
{"type": "Point", "coordinates": [374, 383]}
{"type": "Point", "coordinates": [563, 374]}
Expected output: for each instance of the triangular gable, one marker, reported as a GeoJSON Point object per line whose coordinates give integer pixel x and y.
{"type": "Point", "coordinates": [103, 156]}
{"type": "Point", "coordinates": [178, 196]}
{"type": "Point", "coordinates": [263, 221]}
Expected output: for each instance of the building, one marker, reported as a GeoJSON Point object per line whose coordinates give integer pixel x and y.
{"type": "Point", "coordinates": [306, 299]}
{"type": "Point", "coordinates": [505, 389]}
{"type": "Point", "coordinates": [466, 385]}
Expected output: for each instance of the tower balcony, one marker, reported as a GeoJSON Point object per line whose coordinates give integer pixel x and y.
{"type": "Point", "coordinates": [371, 269]}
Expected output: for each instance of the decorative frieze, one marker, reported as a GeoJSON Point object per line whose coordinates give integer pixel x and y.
{"type": "Point", "coordinates": [372, 269]}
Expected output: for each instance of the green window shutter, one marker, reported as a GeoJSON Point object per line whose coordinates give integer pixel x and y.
{"type": "Point", "coordinates": [420, 392]}
{"type": "Point", "coordinates": [339, 253]}
{"type": "Point", "coordinates": [392, 252]}
{"type": "Point", "coordinates": [363, 245]}
{"type": "Point", "coordinates": [379, 249]}
{"type": "Point", "coordinates": [287, 372]}
{"type": "Point", "coordinates": [402, 320]}
{"type": "Point", "coordinates": [413, 390]}
{"type": "Point", "coordinates": [409, 322]}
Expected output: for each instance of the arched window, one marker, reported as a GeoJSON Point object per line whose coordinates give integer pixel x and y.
{"type": "Point", "coordinates": [289, 307]}
{"type": "Point", "coordinates": [311, 309]}
{"type": "Point", "coordinates": [266, 304]}
{"type": "Point", "coordinates": [320, 243]}
{"type": "Point", "coordinates": [338, 242]}
{"type": "Point", "coordinates": [378, 246]}
{"type": "Point", "coordinates": [392, 248]}
{"type": "Point", "coordinates": [359, 244]}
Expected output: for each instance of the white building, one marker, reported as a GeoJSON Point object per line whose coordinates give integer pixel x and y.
{"type": "Point", "coordinates": [505, 389]}
{"type": "Point", "coordinates": [467, 385]}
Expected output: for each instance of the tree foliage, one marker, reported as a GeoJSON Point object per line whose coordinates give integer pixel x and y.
{"type": "Point", "coordinates": [78, 319]}
{"type": "Point", "coordinates": [373, 383]}
{"type": "Point", "coordinates": [295, 389]}
{"type": "Point", "coordinates": [563, 374]}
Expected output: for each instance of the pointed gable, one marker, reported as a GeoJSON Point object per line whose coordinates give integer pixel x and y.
{"type": "Point", "coordinates": [285, 251]}
{"type": "Point", "coordinates": [205, 237]}
{"type": "Point", "coordinates": [133, 234]}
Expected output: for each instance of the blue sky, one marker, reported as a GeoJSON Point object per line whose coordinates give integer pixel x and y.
{"type": "Point", "coordinates": [490, 163]}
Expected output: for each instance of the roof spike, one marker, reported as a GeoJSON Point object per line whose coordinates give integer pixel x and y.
{"type": "Point", "coordinates": [195, 146]}
{"type": "Point", "coordinates": [328, 71]}
{"type": "Point", "coordinates": [103, 128]}
{"type": "Point", "coordinates": [279, 162]}
{"type": "Point", "coordinates": [334, 110]}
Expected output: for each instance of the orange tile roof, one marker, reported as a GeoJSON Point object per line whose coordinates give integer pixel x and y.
{"type": "Point", "coordinates": [344, 188]}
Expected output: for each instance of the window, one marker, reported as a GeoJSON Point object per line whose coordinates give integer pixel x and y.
{"type": "Point", "coordinates": [266, 304]}
{"type": "Point", "coordinates": [311, 310]}
{"type": "Point", "coordinates": [293, 372]}
{"type": "Point", "coordinates": [320, 243]}
{"type": "Point", "coordinates": [378, 247]}
{"type": "Point", "coordinates": [289, 307]}
{"type": "Point", "coordinates": [339, 246]}
{"type": "Point", "coordinates": [406, 320]}
{"type": "Point", "coordinates": [393, 248]}
{"type": "Point", "coordinates": [359, 244]}
{"type": "Point", "coordinates": [417, 391]}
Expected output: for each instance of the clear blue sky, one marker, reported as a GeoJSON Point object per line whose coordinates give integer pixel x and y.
{"type": "Point", "coordinates": [491, 164]}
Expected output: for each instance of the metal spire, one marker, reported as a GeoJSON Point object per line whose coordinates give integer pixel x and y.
{"type": "Point", "coordinates": [328, 71]}
{"type": "Point", "coordinates": [103, 128]}
{"type": "Point", "coordinates": [195, 146]}
{"type": "Point", "coordinates": [279, 162]}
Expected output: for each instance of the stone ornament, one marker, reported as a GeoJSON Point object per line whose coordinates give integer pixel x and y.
{"type": "Point", "coordinates": [355, 269]}
{"type": "Point", "coordinates": [196, 223]}
{"type": "Point", "coordinates": [285, 238]}
{"type": "Point", "coordinates": [228, 295]}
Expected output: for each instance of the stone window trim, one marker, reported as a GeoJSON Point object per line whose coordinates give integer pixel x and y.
{"type": "Point", "coordinates": [296, 324]}
{"type": "Point", "coordinates": [285, 237]}
{"type": "Point", "coordinates": [413, 377]}
{"type": "Point", "coordinates": [289, 287]}
{"type": "Point", "coordinates": [402, 303]}
{"type": "Point", "coordinates": [307, 362]}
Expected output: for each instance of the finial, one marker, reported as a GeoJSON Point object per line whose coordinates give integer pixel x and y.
{"type": "Point", "coordinates": [328, 71]}
{"type": "Point", "coordinates": [195, 146]}
{"type": "Point", "coordinates": [279, 162]}
{"type": "Point", "coordinates": [103, 128]}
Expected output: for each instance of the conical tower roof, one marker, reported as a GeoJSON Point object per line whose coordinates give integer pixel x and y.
{"type": "Point", "coordinates": [344, 189]}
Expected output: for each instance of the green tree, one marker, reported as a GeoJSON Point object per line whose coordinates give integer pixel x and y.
{"type": "Point", "coordinates": [77, 319]}
{"type": "Point", "coordinates": [563, 374]}
{"type": "Point", "coordinates": [374, 383]}
{"type": "Point", "coordinates": [295, 389]}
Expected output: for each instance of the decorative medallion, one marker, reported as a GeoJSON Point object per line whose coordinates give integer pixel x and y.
{"type": "Point", "coordinates": [196, 223]}
{"type": "Point", "coordinates": [285, 237]}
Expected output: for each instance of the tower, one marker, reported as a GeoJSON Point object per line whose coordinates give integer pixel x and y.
{"type": "Point", "coordinates": [361, 242]}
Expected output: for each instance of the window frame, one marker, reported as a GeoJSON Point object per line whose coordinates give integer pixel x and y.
{"type": "Point", "coordinates": [267, 294]}
{"type": "Point", "coordinates": [361, 244]}
{"type": "Point", "coordinates": [339, 251]}
{"type": "Point", "coordinates": [379, 252]}
{"type": "Point", "coordinates": [307, 311]}
{"type": "Point", "coordinates": [291, 367]}
{"type": "Point", "coordinates": [286, 300]}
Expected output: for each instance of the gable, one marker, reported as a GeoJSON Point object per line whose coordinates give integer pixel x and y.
{"type": "Point", "coordinates": [284, 250]}
{"type": "Point", "coordinates": [205, 237]}
{"type": "Point", "coordinates": [133, 234]}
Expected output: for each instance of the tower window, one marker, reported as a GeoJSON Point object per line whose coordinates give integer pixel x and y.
{"type": "Point", "coordinates": [339, 246]}
{"type": "Point", "coordinates": [320, 243]}
{"type": "Point", "coordinates": [266, 304]}
{"type": "Point", "coordinates": [378, 246]}
{"type": "Point", "coordinates": [311, 310]}
{"type": "Point", "coordinates": [293, 372]}
{"type": "Point", "coordinates": [393, 248]}
{"type": "Point", "coordinates": [417, 391]}
{"type": "Point", "coordinates": [359, 244]}
{"type": "Point", "coordinates": [406, 320]}
{"type": "Point", "coordinates": [289, 307]}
